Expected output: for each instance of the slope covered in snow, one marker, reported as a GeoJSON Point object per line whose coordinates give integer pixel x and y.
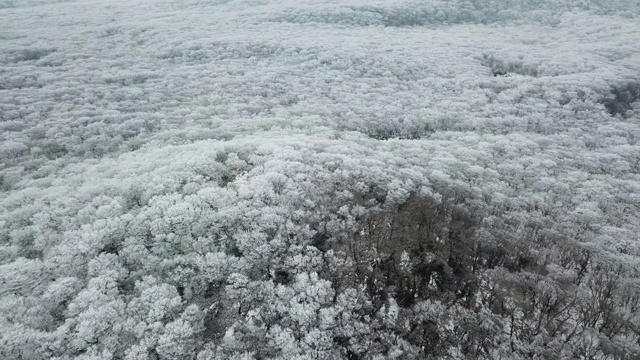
{"type": "Point", "coordinates": [319, 179]}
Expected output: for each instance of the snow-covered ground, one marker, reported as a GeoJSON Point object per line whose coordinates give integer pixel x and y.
{"type": "Point", "coordinates": [141, 140]}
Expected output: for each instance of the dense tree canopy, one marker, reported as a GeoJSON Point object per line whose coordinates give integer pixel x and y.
{"type": "Point", "coordinates": [319, 180]}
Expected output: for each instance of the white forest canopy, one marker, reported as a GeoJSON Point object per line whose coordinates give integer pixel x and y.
{"type": "Point", "coordinates": [312, 179]}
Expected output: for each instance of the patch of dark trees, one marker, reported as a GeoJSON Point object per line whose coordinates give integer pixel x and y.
{"type": "Point", "coordinates": [622, 99]}
{"type": "Point", "coordinates": [517, 282]}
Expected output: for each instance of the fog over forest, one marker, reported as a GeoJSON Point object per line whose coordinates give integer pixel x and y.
{"type": "Point", "coordinates": [318, 179]}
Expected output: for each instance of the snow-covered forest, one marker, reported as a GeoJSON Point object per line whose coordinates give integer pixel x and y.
{"type": "Point", "coordinates": [317, 179]}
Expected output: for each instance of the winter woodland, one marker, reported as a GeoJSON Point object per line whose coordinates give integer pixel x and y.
{"type": "Point", "coordinates": [315, 179]}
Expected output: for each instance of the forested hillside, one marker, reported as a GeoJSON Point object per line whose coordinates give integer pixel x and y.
{"type": "Point", "coordinates": [357, 179]}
